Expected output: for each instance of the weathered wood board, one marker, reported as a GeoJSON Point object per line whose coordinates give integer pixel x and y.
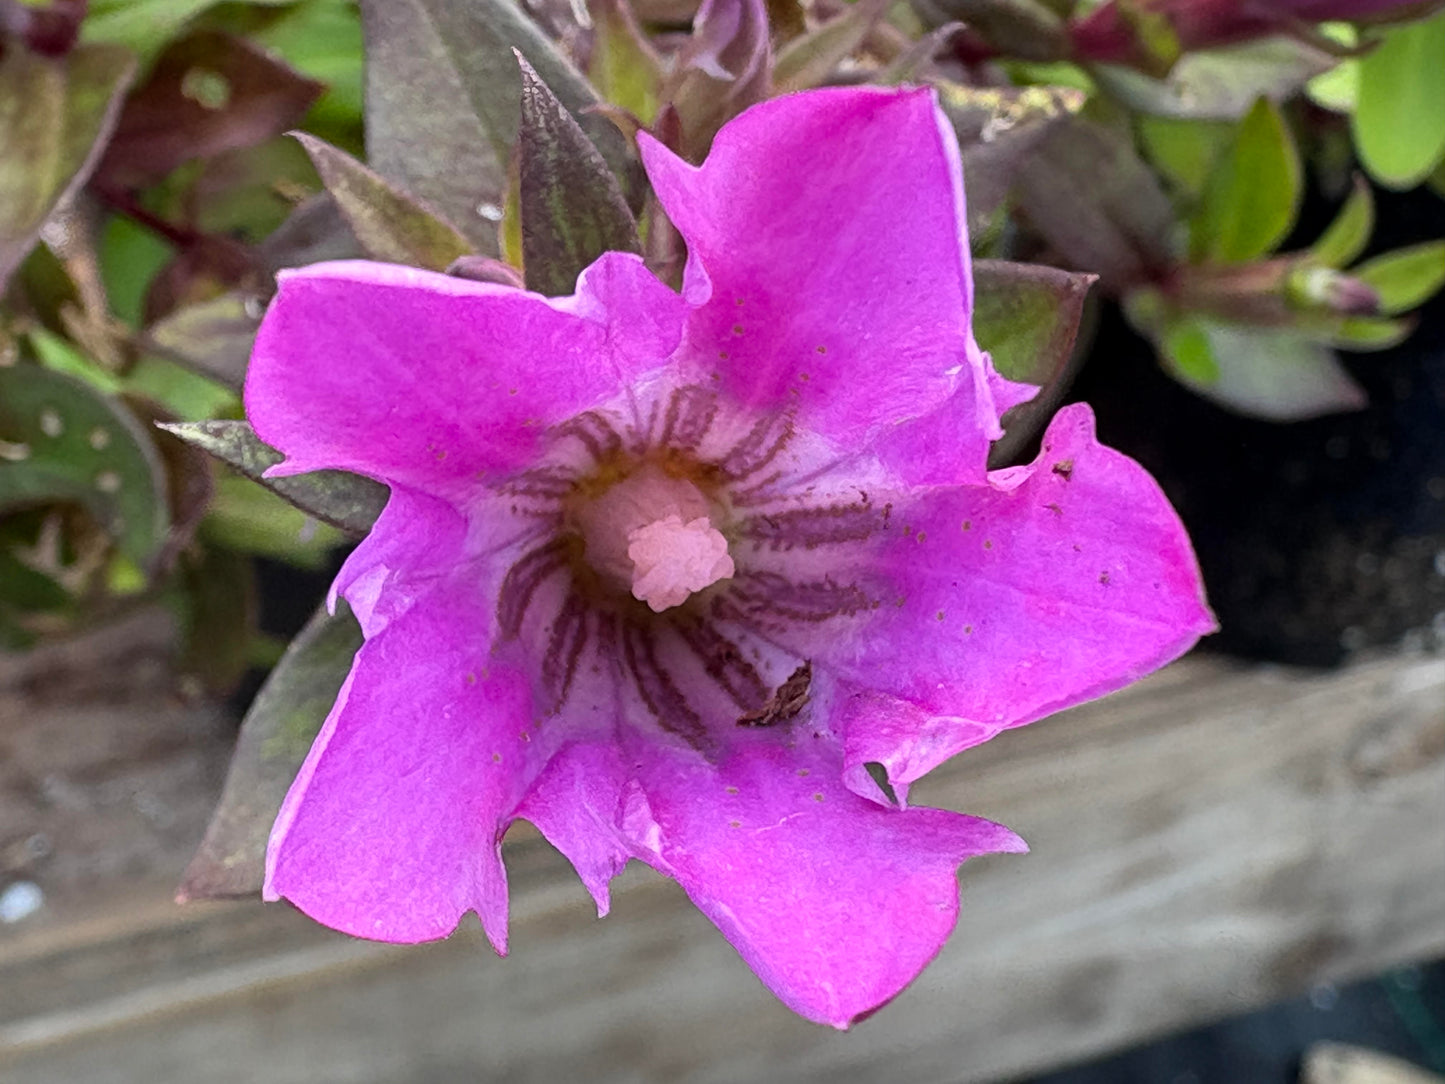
{"type": "Point", "coordinates": [1214, 838]}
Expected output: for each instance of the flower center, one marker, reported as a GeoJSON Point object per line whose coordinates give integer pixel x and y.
{"type": "Point", "coordinates": [652, 533]}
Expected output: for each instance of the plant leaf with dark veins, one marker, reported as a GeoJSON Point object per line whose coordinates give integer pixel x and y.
{"type": "Point", "coordinates": [442, 89]}
{"type": "Point", "coordinates": [346, 501]}
{"type": "Point", "coordinates": [571, 206]}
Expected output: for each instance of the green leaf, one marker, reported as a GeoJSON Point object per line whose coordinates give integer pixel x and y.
{"type": "Point", "coordinates": [1275, 373]}
{"type": "Point", "coordinates": [1188, 351]}
{"type": "Point", "coordinates": [1359, 334]}
{"type": "Point", "coordinates": [1406, 277]}
{"type": "Point", "coordinates": [1027, 317]}
{"type": "Point", "coordinates": [624, 67]}
{"type": "Point", "coordinates": [67, 442]}
{"type": "Point", "coordinates": [275, 737]}
{"type": "Point", "coordinates": [250, 518]}
{"type": "Point", "coordinates": [1026, 29]}
{"type": "Point", "coordinates": [1341, 244]}
{"type": "Point", "coordinates": [1184, 150]}
{"type": "Point", "coordinates": [572, 210]}
{"type": "Point", "coordinates": [389, 223]}
{"type": "Point", "coordinates": [347, 501]}
{"type": "Point", "coordinates": [1399, 122]}
{"type": "Point", "coordinates": [810, 58]}
{"type": "Point", "coordinates": [442, 102]}
{"type": "Point", "coordinates": [218, 608]}
{"type": "Point", "coordinates": [145, 27]}
{"type": "Point", "coordinates": [1253, 193]}
{"type": "Point", "coordinates": [55, 118]}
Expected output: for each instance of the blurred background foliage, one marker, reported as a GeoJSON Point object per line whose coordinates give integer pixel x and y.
{"type": "Point", "coordinates": [161, 160]}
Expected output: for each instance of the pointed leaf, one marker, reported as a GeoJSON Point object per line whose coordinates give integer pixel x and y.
{"type": "Point", "coordinates": [275, 737]}
{"type": "Point", "coordinates": [1253, 193]}
{"type": "Point", "coordinates": [347, 501]}
{"type": "Point", "coordinates": [571, 207]}
{"type": "Point", "coordinates": [1027, 317]}
{"type": "Point", "coordinates": [1399, 124]}
{"type": "Point", "coordinates": [442, 90]}
{"type": "Point", "coordinates": [55, 117]}
{"type": "Point", "coordinates": [1341, 244]}
{"type": "Point", "coordinates": [64, 441]}
{"type": "Point", "coordinates": [810, 58]}
{"type": "Point", "coordinates": [389, 223]}
{"type": "Point", "coordinates": [1406, 277]}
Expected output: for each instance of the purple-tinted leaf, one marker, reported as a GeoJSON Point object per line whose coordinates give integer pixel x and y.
{"type": "Point", "coordinates": [389, 223]}
{"type": "Point", "coordinates": [275, 737]}
{"type": "Point", "coordinates": [721, 71]}
{"type": "Point", "coordinates": [346, 501]}
{"type": "Point", "coordinates": [1093, 199]}
{"type": "Point", "coordinates": [208, 93]}
{"type": "Point", "coordinates": [315, 231]}
{"type": "Point", "coordinates": [55, 116]}
{"type": "Point", "coordinates": [572, 209]}
{"type": "Point", "coordinates": [1027, 317]}
{"type": "Point", "coordinates": [212, 337]}
{"type": "Point", "coordinates": [997, 128]}
{"type": "Point", "coordinates": [442, 90]}
{"type": "Point", "coordinates": [1027, 29]}
{"type": "Point", "coordinates": [809, 59]}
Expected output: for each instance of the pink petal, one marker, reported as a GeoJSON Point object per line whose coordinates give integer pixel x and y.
{"type": "Point", "coordinates": [428, 380]}
{"type": "Point", "coordinates": [392, 829]}
{"type": "Point", "coordinates": [576, 803]}
{"type": "Point", "coordinates": [415, 541]}
{"type": "Point", "coordinates": [827, 255]}
{"type": "Point", "coordinates": [836, 903]}
{"type": "Point", "coordinates": [1057, 583]}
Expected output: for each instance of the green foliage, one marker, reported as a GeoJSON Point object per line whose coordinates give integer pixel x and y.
{"type": "Point", "coordinates": [1347, 236]}
{"type": "Point", "coordinates": [1252, 196]}
{"type": "Point", "coordinates": [1405, 278]}
{"type": "Point", "coordinates": [1399, 120]}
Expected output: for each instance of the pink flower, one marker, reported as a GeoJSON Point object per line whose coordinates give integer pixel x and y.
{"type": "Point", "coordinates": [663, 575]}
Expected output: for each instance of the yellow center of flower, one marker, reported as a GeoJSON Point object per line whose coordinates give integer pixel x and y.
{"type": "Point", "coordinates": [653, 533]}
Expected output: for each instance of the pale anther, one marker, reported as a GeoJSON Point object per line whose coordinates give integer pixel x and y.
{"type": "Point", "coordinates": [672, 559]}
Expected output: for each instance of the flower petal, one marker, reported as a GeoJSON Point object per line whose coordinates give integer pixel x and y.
{"type": "Point", "coordinates": [427, 380]}
{"type": "Point", "coordinates": [828, 260]}
{"type": "Point", "coordinates": [1056, 583]}
{"type": "Point", "coordinates": [392, 829]}
{"type": "Point", "coordinates": [575, 803]}
{"type": "Point", "coordinates": [835, 903]}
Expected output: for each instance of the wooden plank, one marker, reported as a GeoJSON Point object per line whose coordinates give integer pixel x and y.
{"type": "Point", "coordinates": [1214, 838]}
